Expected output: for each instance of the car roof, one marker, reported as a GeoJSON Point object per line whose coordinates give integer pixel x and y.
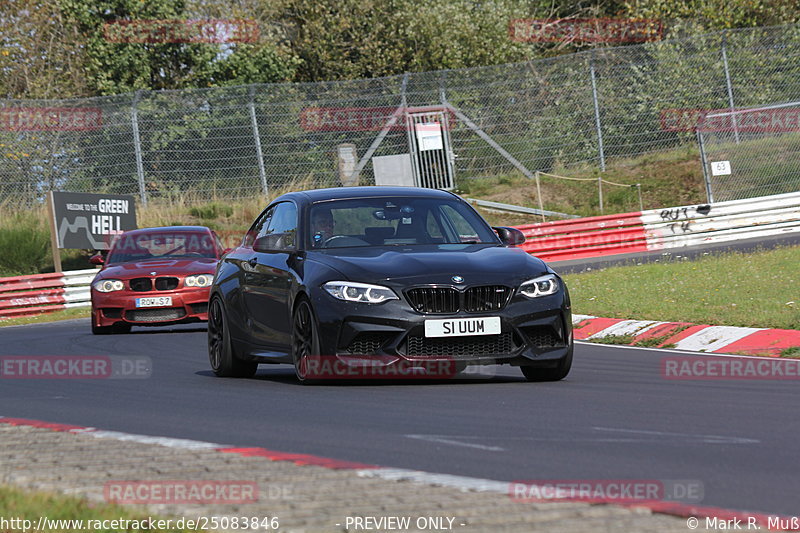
{"type": "Point", "coordinates": [341, 193]}
{"type": "Point", "coordinates": [165, 229]}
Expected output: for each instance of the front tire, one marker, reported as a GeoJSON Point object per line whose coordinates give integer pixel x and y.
{"type": "Point", "coordinates": [221, 356]}
{"type": "Point", "coordinates": [557, 373]}
{"type": "Point", "coordinates": [305, 340]}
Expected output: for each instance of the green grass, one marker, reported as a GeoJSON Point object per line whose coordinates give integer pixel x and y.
{"type": "Point", "coordinates": [211, 211]}
{"type": "Point", "coordinates": [613, 339]}
{"type": "Point", "coordinates": [30, 505]}
{"type": "Point", "coordinates": [25, 244]}
{"type": "Point", "coordinates": [761, 289]}
{"type": "Point", "coordinates": [668, 179]}
{"type": "Point", "coordinates": [64, 314]}
{"type": "Point", "coordinates": [793, 352]}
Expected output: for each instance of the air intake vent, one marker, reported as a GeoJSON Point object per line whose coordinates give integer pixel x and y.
{"type": "Point", "coordinates": [166, 284]}
{"type": "Point", "coordinates": [461, 346]}
{"type": "Point", "coordinates": [141, 284]}
{"type": "Point", "coordinates": [155, 315]}
{"type": "Point", "coordinates": [486, 298]}
{"type": "Point", "coordinates": [442, 300]}
{"type": "Point", "coordinates": [434, 299]}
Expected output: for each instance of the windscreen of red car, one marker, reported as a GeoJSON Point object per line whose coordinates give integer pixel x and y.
{"type": "Point", "coordinates": [162, 246]}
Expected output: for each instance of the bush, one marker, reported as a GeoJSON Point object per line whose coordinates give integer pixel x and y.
{"type": "Point", "coordinates": [211, 211]}
{"type": "Point", "coordinates": [25, 243]}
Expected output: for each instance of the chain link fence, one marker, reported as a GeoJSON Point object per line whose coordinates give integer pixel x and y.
{"type": "Point", "coordinates": [751, 152]}
{"type": "Point", "coordinates": [546, 114]}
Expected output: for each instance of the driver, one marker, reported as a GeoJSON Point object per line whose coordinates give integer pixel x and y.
{"type": "Point", "coordinates": [321, 226]}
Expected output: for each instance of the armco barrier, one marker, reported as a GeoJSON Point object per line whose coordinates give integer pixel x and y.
{"type": "Point", "coordinates": [44, 293]}
{"type": "Point", "coordinates": [720, 222]}
{"type": "Point", "coordinates": [660, 229]}
{"type": "Point", "coordinates": [585, 237]}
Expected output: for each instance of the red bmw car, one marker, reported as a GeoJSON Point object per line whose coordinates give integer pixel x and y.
{"type": "Point", "coordinates": [154, 277]}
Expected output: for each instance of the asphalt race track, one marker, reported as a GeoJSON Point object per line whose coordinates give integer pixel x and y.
{"type": "Point", "coordinates": [614, 417]}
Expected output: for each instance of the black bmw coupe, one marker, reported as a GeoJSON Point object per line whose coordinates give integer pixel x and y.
{"type": "Point", "coordinates": [383, 278]}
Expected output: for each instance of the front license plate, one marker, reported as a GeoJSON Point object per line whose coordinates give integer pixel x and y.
{"type": "Point", "coordinates": [161, 301]}
{"type": "Point", "coordinates": [459, 327]}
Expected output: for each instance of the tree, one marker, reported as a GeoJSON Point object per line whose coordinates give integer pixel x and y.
{"type": "Point", "coordinates": [41, 52]}
{"type": "Point", "coordinates": [126, 60]}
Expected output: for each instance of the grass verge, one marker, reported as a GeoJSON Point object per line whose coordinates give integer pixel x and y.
{"type": "Point", "coordinates": [668, 179]}
{"type": "Point", "coordinates": [30, 505]}
{"type": "Point", "coordinates": [760, 289]}
{"type": "Point", "coordinates": [792, 353]}
{"type": "Point", "coordinates": [64, 314]}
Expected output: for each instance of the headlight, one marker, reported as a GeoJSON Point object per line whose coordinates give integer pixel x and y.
{"type": "Point", "coordinates": [542, 286]}
{"type": "Point", "coordinates": [200, 280]}
{"type": "Point", "coordinates": [108, 285]}
{"type": "Point", "coordinates": [351, 291]}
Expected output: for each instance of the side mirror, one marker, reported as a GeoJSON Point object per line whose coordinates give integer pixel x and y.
{"type": "Point", "coordinates": [96, 259]}
{"type": "Point", "coordinates": [510, 236]}
{"type": "Point", "coordinates": [275, 242]}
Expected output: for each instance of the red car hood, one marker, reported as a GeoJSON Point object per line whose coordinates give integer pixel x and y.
{"type": "Point", "coordinates": [161, 267]}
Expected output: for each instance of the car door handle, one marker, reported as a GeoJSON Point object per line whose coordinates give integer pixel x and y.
{"type": "Point", "coordinates": [253, 261]}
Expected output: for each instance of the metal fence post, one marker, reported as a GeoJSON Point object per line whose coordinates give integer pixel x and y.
{"type": "Point", "coordinates": [639, 190]}
{"type": "Point", "coordinates": [539, 195]}
{"type": "Point", "coordinates": [704, 162]}
{"type": "Point", "coordinates": [137, 146]}
{"type": "Point", "coordinates": [600, 192]}
{"type": "Point", "coordinates": [597, 119]}
{"type": "Point", "coordinates": [257, 138]}
{"type": "Point", "coordinates": [729, 85]}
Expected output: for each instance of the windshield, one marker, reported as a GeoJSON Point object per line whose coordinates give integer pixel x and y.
{"type": "Point", "coordinates": [395, 221]}
{"type": "Point", "coordinates": [167, 245]}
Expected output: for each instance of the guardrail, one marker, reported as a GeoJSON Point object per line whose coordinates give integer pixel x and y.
{"type": "Point", "coordinates": [659, 229]}
{"type": "Point", "coordinates": [585, 237]}
{"type": "Point", "coordinates": [44, 293]}
{"type": "Point", "coordinates": [724, 221]}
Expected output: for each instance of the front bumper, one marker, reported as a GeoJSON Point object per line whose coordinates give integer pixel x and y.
{"type": "Point", "coordinates": [534, 332]}
{"type": "Point", "coordinates": [188, 305]}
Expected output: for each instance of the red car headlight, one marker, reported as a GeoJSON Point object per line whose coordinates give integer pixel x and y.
{"type": "Point", "coordinates": [200, 280]}
{"type": "Point", "coordinates": [108, 285]}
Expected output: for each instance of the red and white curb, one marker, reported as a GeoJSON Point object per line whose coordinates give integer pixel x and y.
{"type": "Point", "coordinates": [461, 483]}
{"type": "Point", "coordinates": [690, 337]}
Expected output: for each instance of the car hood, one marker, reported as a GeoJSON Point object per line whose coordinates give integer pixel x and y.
{"type": "Point", "coordinates": [161, 267]}
{"type": "Point", "coordinates": [433, 264]}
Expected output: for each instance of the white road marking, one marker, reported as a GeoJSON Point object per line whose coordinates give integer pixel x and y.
{"type": "Point", "coordinates": [711, 439]}
{"type": "Point", "coordinates": [451, 439]}
{"type": "Point", "coordinates": [145, 439]}
{"type": "Point", "coordinates": [673, 350]}
{"type": "Point", "coordinates": [463, 483]}
{"type": "Point", "coordinates": [626, 327]}
{"type": "Point", "coordinates": [714, 338]}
